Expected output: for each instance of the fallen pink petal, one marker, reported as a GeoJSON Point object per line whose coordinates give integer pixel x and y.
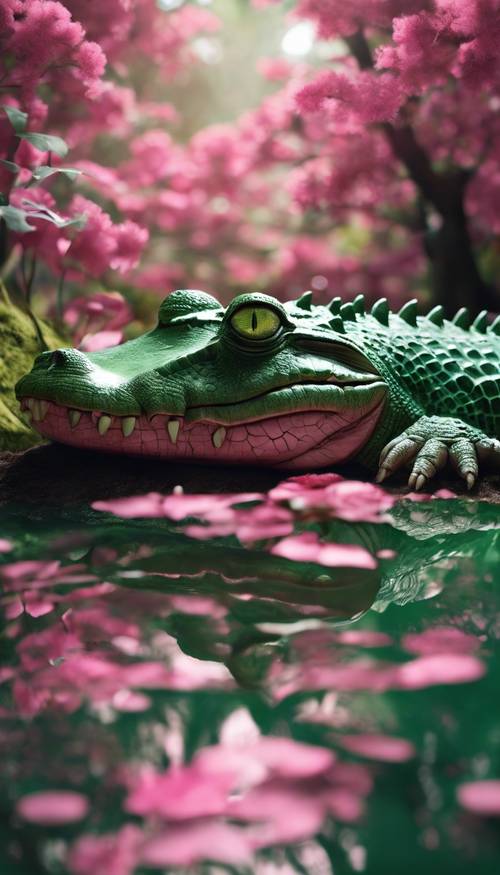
{"type": "Point", "coordinates": [53, 807]}
{"type": "Point", "coordinates": [480, 797]}
{"type": "Point", "coordinates": [187, 844]}
{"type": "Point", "coordinates": [378, 747]}
{"type": "Point", "coordinates": [308, 548]}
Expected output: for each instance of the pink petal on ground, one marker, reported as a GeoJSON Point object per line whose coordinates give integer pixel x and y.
{"type": "Point", "coordinates": [186, 844]}
{"type": "Point", "coordinates": [446, 668]}
{"type": "Point", "coordinates": [440, 639]}
{"type": "Point", "coordinates": [128, 701]}
{"type": "Point", "coordinates": [285, 811]}
{"type": "Point", "coordinates": [5, 546]}
{"type": "Point", "coordinates": [386, 748]}
{"type": "Point", "coordinates": [357, 501]}
{"type": "Point", "coordinates": [307, 547]}
{"type": "Point", "coordinates": [107, 854]}
{"type": "Point", "coordinates": [350, 555]}
{"type": "Point", "coordinates": [364, 638]}
{"type": "Point", "coordinates": [351, 776]}
{"type": "Point", "coordinates": [30, 569]}
{"type": "Point", "coordinates": [53, 807]}
{"type": "Point", "coordinates": [180, 793]}
{"type": "Point", "coordinates": [299, 548]}
{"type": "Point", "coordinates": [178, 507]}
{"type": "Point", "coordinates": [198, 606]}
{"type": "Point", "coordinates": [343, 804]}
{"type": "Point", "coordinates": [480, 797]}
{"type": "Point", "coordinates": [38, 608]}
{"type": "Point", "coordinates": [291, 759]}
{"type": "Point", "coordinates": [295, 487]}
{"type": "Point", "coordinates": [14, 608]}
{"type": "Point", "coordinates": [149, 505]}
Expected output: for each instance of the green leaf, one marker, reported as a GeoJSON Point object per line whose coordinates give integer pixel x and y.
{"type": "Point", "coordinates": [14, 168]}
{"type": "Point", "coordinates": [15, 219]}
{"type": "Point", "coordinates": [45, 171]}
{"type": "Point", "coordinates": [17, 118]}
{"type": "Point", "coordinates": [39, 211]}
{"type": "Point", "coordinates": [46, 143]}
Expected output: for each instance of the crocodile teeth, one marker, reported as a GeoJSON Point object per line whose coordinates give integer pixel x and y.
{"type": "Point", "coordinates": [173, 426]}
{"type": "Point", "coordinates": [219, 437]}
{"type": "Point", "coordinates": [27, 416]}
{"type": "Point", "coordinates": [39, 409]}
{"type": "Point", "coordinates": [128, 425]}
{"type": "Point", "coordinates": [103, 424]}
{"type": "Point", "coordinates": [30, 402]}
{"type": "Point", "coordinates": [74, 417]}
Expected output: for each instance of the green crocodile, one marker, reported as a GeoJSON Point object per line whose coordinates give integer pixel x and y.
{"type": "Point", "coordinates": [294, 385]}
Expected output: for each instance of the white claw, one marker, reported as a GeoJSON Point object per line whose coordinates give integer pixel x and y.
{"type": "Point", "coordinates": [128, 425]}
{"type": "Point", "coordinates": [219, 437]}
{"type": "Point", "coordinates": [74, 417]}
{"type": "Point", "coordinates": [382, 474]}
{"type": "Point", "coordinates": [103, 424]}
{"type": "Point", "coordinates": [173, 426]}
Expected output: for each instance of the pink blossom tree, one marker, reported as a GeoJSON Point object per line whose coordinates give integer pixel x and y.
{"type": "Point", "coordinates": [374, 170]}
{"type": "Point", "coordinates": [61, 72]}
{"type": "Point", "coordinates": [417, 93]}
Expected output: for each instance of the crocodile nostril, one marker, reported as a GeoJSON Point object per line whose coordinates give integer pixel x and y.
{"type": "Point", "coordinates": [58, 358]}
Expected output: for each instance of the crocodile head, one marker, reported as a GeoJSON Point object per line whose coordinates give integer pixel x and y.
{"type": "Point", "coordinates": [257, 382]}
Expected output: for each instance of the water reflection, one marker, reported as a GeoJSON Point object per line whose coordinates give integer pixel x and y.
{"type": "Point", "coordinates": [297, 681]}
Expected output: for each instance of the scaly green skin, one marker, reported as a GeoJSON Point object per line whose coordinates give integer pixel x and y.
{"type": "Point", "coordinates": [418, 390]}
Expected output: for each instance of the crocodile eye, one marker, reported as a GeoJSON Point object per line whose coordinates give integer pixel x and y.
{"type": "Point", "coordinates": [256, 322]}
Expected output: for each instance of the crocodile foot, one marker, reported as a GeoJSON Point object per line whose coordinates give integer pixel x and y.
{"type": "Point", "coordinates": [430, 443]}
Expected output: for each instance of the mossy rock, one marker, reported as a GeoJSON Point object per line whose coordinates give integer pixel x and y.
{"type": "Point", "coordinates": [19, 345]}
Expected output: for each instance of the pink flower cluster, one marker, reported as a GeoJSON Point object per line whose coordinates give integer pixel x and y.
{"type": "Point", "coordinates": [97, 246]}
{"type": "Point", "coordinates": [457, 36]}
{"type": "Point", "coordinates": [39, 39]}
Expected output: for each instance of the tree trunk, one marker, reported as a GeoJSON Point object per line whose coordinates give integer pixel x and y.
{"type": "Point", "coordinates": [456, 281]}
{"type": "Point", "coordinates": [455, 277]}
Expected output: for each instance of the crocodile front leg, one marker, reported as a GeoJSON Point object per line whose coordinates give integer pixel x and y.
{"type": "Point", "coordinates": [430, 443]}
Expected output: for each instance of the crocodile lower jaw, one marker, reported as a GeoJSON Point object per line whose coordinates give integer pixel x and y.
{"type": "Point", "coordinates": [309, 438]}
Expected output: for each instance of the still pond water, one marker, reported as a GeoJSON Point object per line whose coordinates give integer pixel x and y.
{"type": "Point", "coordinates": [301, 681]}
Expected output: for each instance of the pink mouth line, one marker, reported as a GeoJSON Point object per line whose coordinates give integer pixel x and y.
{"type": "Point", "coordinates": [293, 440]}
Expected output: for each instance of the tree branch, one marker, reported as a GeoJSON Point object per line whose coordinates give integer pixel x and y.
{"type": "Point", "coordinates": [443, 190]}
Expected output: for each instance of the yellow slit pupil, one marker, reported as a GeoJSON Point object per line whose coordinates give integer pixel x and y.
{"type": "Point", "coordinates": [256, 322]}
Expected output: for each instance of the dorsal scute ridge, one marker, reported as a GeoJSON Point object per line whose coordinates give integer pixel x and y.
{"type": "Point", "coordinates": [461, 318]}
{"type": "Point", "coordinates": [436, 315]}
{"type": "Point", "coordinates": [359, 304]}
{"type": "Point", "coordinates": [335, 305]}
{"type": "Point", "coordinates": [347, 312]}
{"type": "Point", "coordinates": [480, 323]}
{"type": "Point", "coordinates": [337, 324]}
{"type": "Point", "coordinates": [380, 311]}
{"type": "Point", "coordinates": [408, 312]}
{"type": "Point", "coordinates": [305, 300]}
{"type": "Point", "coordinates": [495, 326]}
